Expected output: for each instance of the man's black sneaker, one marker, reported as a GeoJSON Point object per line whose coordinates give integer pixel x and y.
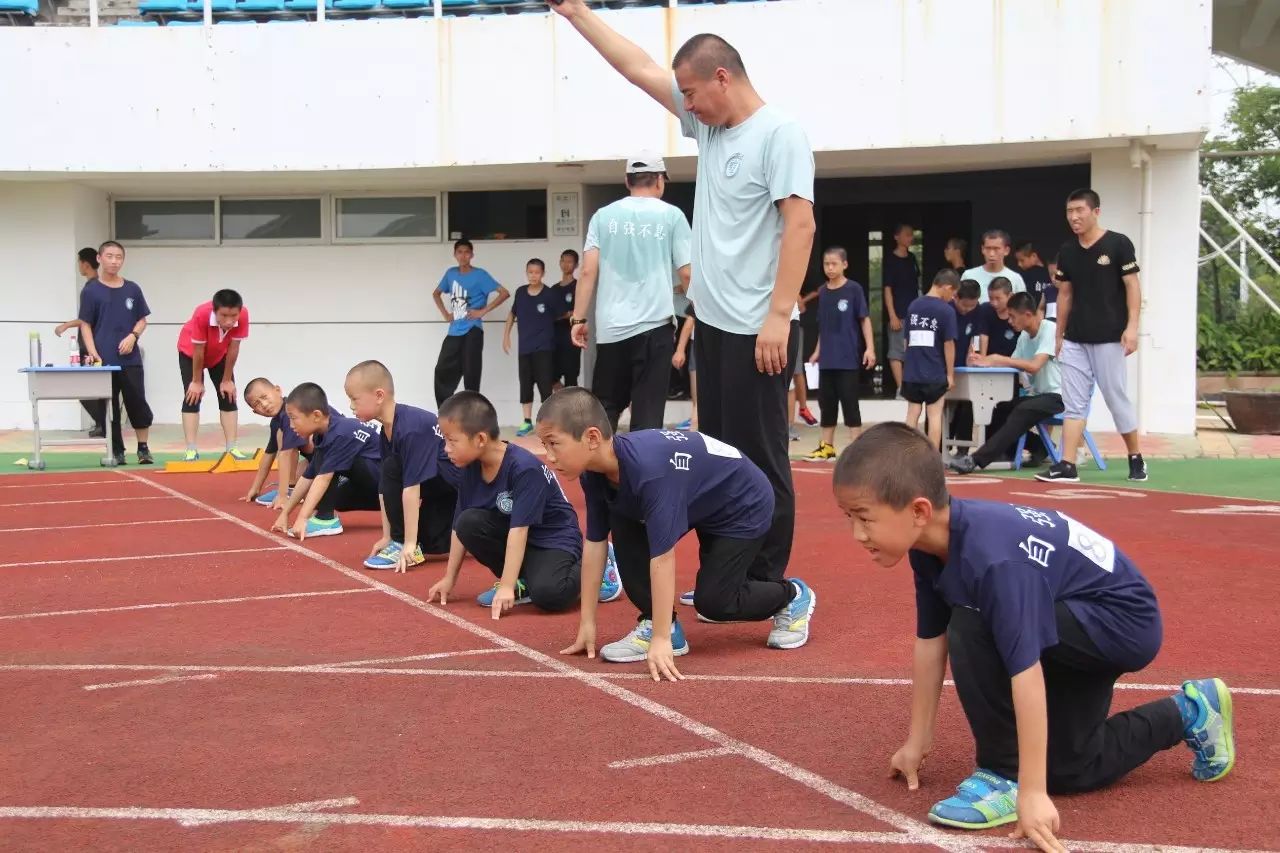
{"type": "Point", "coordinates": [144, 455]}
{"type": "Point", "coordinates": [1062, 472]}
{"type": "Point", "coordinates": [964, 465]}
{"type": "Point", "coordinates": [120, 460]}
{"type": "Point", "coordinates": [1137, 468]}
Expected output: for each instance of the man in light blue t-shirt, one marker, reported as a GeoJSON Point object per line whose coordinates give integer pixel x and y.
{"type": "Point", "coordinates": [753, 231]}
{"type": "Point", "coordinates": [634, 249]}
{"type": "Point", "coordinates": [995, 248]}
{"type": "Point", "coordinates": [462, 353]}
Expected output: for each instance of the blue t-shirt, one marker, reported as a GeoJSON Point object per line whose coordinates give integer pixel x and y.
{"type": "Point", "coordinates": [111, 313]}
{"type": "Point", "coordinates": [930, 323]}
{"type": "Point", "coordinates": [902, 277]}
{"type": "Point", "coordinates": [535, 318]}
{"type": "Point", "coordinates": [416, 440]}
{"type": "Point", "coordinates": [566, 293]}
{"type": "Point", "coordinates": [966, 331]}
{"type": "Point", "coordinates": [1001, 338]}
{"type": "Point", "coordinates": [288, 439]}
{"type": "Point", "coordinates": [529, 492]}
{"type": "Point", "coordinates": [1014, 563]}
{"type": "Point", "coordinates": [840, 314]}
{"type": "Point", "coordinates": [1050, 302]}
{"type": "Point", "coordinates": [342, 445]}
{"type": "Point", "coordinates": [675, 482]}
{"type": "Point", "coordinates": [467, 292]}
{"type": "Point", "coordinates": [1038, 281]}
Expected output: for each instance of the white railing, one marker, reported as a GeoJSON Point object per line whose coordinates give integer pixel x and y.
{"type": "Point", "coordinates": [1243, 240]}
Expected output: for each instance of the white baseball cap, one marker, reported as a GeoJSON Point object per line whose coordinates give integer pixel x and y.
{"type": "Point", "coordinates": [646, 161]}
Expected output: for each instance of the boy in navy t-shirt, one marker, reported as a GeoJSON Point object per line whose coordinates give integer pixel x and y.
{"type": "Point", "coordinates": [417, 481]}
{"type": "Point", "coordinates": [1049, 305]}
{"type": "Point", "coordinates": [462, 353]}
{"type": "Point", "coordinates": [266, 398]}
{"type": "Point", "coordinates": [1039, 616]}
{"type": "Point", "coordinates": [1038, 279]}
{"type": "Point", "coordinates": [929, 371]}
{"type": "Point", "coordinates": [966, 305]}
{"type": "Point", "coordinates": [568, 355]}
{"type": "Point", "coordinates": [512, 515]}
{"type": "Point", "coordinates": [535, 309]}
{"type": "Point", "coordinates": [845, 345]}
{"type": "Point", "coordinates": [344, 470]}
{"type": "Point", "coordinates": [648, 489]}
{"type": "Point", "coordinates": [991, 321]}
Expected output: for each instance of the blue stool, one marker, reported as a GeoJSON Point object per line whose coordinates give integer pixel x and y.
{"type": "Point", "coordinates": [1054, 453]}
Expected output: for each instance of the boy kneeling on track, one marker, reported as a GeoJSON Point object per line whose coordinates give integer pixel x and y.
{"type": "Point", "coordinates": [267, 400]}
{"type": "Point", "coordinates": [648, 489]}
{"type": "Point", "coordinates": [1040, 616]}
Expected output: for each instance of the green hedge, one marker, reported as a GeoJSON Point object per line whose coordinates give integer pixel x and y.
{"type": "Point", "coordinates": [1248, 342]}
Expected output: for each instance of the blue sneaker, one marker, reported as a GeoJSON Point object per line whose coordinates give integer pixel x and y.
{"type": "Point", "coordinates": [686, 598]}
{"type": "Point", "coordinates": [685, 424]}
{"type": "Point", "coordinates": [524, 429]}
{"type": "Point", "coordinates": [791, 624]}
{"type": "Point", "coordinates": [386, 558]}
{"type": "Point", "coordinates": [611, 584]}
{"type": "Point", "coordinates": [982, 801]}
{"type": "Point", "coordinates": [635, 646]}
{"type": "Point", "coordinates": [268, 496]}
{"type": "Point", "coordinates": [322, 527]}
{"type": "Point", "coordinates": [485, 599]}
{"type": "Point", "coordinates": [1211, 736]}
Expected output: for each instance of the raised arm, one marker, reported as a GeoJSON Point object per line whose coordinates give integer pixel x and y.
{"type": "Point", "coordinates": [626, 57]}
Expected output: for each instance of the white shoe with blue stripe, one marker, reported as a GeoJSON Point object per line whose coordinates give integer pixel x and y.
{"type": "Point", "coordinates": [387, 558]}
{"type": "Point", "coordinates": [791, 624]}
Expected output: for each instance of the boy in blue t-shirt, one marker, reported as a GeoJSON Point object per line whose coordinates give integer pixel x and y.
{"type": "Point", "coordinates": [929, 371]}
{"type": "Point", "coordinates": [512, 515]}
{"type": "Point", "coordinates": [462, 353]}
{"type": "Point", "coordinates": [968, 296]}
{"type": "Point", "coordinates": [416, 485]}
{"type": "Point", "coordinates": [266, 399]}
{"type": "Point", "coordinates": [1039, 616]}
{"type": "Point", "coordinates": [648, 489]}
{"type": "Point", "coordinates": [568, 354]}
{"type": "Point", "coordinates": [991, 321]}
{"type": "Point", "coordinates": [344, 470]}
{"type": "Point", "coordinates": [535, 308]}
{"type": "Point", "coordinates": [845, 345]}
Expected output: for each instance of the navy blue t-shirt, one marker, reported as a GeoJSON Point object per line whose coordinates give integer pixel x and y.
{"type": "Point", "coordinates": [291, 440]}
{"type": "Point", "coordinates": [675, 482]}
{"type": "Point", "coordinates": [1037, 281]}
{"type": "Point", "coordinates": [567, 293]}
{"type": "Point", "coordinates": [1001, 338]}
{"type": "Point", "coordinates": [417, 441]}
{"type": "Point", "coordinates": [111, 313]}
{"type": "Point", "coordinates": [340, 447]}
{"type": "Point", "coordinates": [929, 324]}
{"type": "Point", "coordinates": [467, 292]}
{"type": "Point", "coordinates": [902, 276]}
{"type": "Point", "coordinates": [535, 318]}
{"type": "Point", "coordinates": [840, 314]}
{"type": "Point", "coordinates": [528, 491]}
{"type": "Point", "coordinates": [966, 331]}
{"type": "Point", "coordinates": [1014, 563]}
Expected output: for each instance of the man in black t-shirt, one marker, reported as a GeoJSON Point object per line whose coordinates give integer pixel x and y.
{"type": "Point", "coordinates": [901, 273]}
{"type": "Point", "coordinates": [1099, 300]}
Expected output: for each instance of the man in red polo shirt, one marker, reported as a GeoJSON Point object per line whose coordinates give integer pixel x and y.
{"type": "Point", "coordinates": [210, 341]}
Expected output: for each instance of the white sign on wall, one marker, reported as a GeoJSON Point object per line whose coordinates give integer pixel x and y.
{"type": "Point", "coordinates": [564, 213]}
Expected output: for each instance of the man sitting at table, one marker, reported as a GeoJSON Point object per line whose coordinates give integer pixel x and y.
{"type": "Point", "coordinates": [1039, 401]}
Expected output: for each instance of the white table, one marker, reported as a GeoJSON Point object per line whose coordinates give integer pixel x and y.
{"type": "Point", "coordinates": [984, 387]}
{"type": "Point", "coordinates": [69, 383]}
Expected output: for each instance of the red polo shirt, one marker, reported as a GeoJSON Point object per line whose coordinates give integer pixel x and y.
{"type": "Point", "coordinates": [202, 328]}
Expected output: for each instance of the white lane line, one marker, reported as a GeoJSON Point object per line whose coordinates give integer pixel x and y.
{"type": "Point", "coordinates": [291, 809]}
{"type": "Point", "coordinates": [169, 679]}
{"type": "Point", "coordinates": [670, 758]}
{"type": "Point", "coordinates": [47, 613]}
{"type": "Point", "coordinates": [432, 656]}
{"type": "Point", "coordinates": [76, 484]}
{"type": "Point", "coordinates": [106, 524]}
{"type": "Point", "coordinates": [139, 557]}
{"type": "Point", "coordinates": [94, 500]}
{"type": "Point", "coordinates": [920, 831]}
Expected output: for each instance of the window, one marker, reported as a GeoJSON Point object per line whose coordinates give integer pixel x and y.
{"type": "Point", "coordinates": [500, 215]}
{"type": "Point", "coordinates": [271, 219]}
{"type": "Point", "coordinates": [387, 218]}
{"type": "Point", "coordinates": [144, 221]}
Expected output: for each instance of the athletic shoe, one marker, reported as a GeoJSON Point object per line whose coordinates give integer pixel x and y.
{"type": "Point", "coordinates": [1037, 460]}
{"type": "Point", "coordinates": [635, 646]}
{"type": "Point", "coordinates": [686, 424]}
{"type": "Point", "coordinates": [791, 624]}
{"type": "Point", "coordinates": [824, 453]}
{"type": "Point", "coordinates": [485, 599]}
{"type": "Point", "coordinates": [97, 431]}
{"type": "Point", "coordinates": [686, 598]}
{"type": "Point", "coordinates": [982, 801]}
{"type": "Point", "coordinates": [807, 416]}
{"type": "Point", "coordinates": [611, 584]}
{"type": "Point", "coordinates": [386, 558]}
{"type": "Point", "coordinates": [191, 456]}
{"type": "Point", "coordinates": [793, 434]}
{"type": "Point", "coordinates": [119, 459]}
{"type": "Point", "coordinates": [1211, 735]}
{"type": "Point", "coordinates": [964, 464]}
{"type": "Point", "coordinates": [239, 455]}
{"type": "Point", "coordinates": [1137, 468]}
{"type": "Point", "coordinates": [268, 496]}
{"type": "Point", "coordinates": [1061, 472]}
{"type": "Point", "coordinates": [525, 428]}
{"type": "Point", "coordinates": [323, 527]}
{"type": "Point", "coordinates": [145, 457]}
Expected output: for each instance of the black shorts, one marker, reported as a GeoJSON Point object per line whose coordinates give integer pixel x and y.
{"type": "Point", "coordinates": [186, 366]}
{"type": "Point", "coordinates": [925, 393]}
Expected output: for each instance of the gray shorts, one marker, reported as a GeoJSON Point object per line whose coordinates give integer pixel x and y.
{"type": "Point", "coordinates": [897, 345]}
{"type": "Point", "coordinates": [1086, 365]}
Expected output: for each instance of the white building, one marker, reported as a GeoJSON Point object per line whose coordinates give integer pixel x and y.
{"type": "Point", "coordinates": [239, 156]}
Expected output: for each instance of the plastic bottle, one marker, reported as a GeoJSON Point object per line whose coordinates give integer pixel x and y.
{"type": "Point", "coordinates": [36, 355]}
{"type": "Point", "coordinates": [74, 344]}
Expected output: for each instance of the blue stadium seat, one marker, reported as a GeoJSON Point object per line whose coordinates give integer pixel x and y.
{"type": "Point", "coordinates": [355, 5]}
{"type": "Point", "coordinates": [219, 6]}
{"type": "Point", "coordinates": [304, 5]}
{"type": "Point", "coordinates": [162, 7]}
{"type": "Point", "coordinates": [287, 21]}
{"type": "Point", "coordinates": [408, 5]}
{"type": "Point", "coordinates": [236, 21]}
{"type": "Point", "coordinates": [184, 22]}
{"type": "Point", "coordinates": [255, 7]}
{"type": "Point", "coordinates": [130, 22]}
{"type": "Point", "coordinates": [21, 7]}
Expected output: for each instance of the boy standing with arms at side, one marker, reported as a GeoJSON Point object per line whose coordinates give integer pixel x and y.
{"type": "Point", "coordinates": [534, 309]}
{"type": "Point", "coordinates": [1039, 616]}
{"type": "Point", "coordinates": [210, 341]}
{"type": "Point", "coordinates": [929, 372]}
{"type": "Point", "coordinates": [901, 274]}
{"type": "Point", "coordinates": [462, 353]}
{"type": "Point", "coordinates": [568, 356]}
{"type": "Point", "coordinates": [844, 346]}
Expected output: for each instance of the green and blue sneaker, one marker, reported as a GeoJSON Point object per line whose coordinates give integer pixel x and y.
{"type": "Point", "coordinates": [1210, 730]}
{"type": "Point", "coordinates": [387, 558]}
{"type": "Point", "coordinates": [635, 646]}
{"type": "Point", "coordinates": [791, 624]}
{"type": "Point", "coordinates": [191, 456]}
{"type": "Point", "coordinates": [239, 455]}
{"type": "Point", "coordinates": [525, 428]}
{"type": "Point", "coordinates": [322, 527]}
{"type": "Point", "coordinates": [982, 801]}
{"type": "Point", "coordinates": [485, 599]}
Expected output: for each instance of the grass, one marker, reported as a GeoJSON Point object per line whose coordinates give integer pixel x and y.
{"type": "Point", "coordinates": [1229, 478]}
{"type": "Point", "coordinates": [71, 461]}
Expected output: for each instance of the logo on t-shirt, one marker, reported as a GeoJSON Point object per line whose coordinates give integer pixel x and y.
{"type": "Point", "coordinates": [542, 309]}
{"type": "Point", "coordinates": [458, 300]}
{"type": "Point", "coordinates": [128, 303]}
{"type": "Point", "coordinates": [1104, 261]}
{"type": "Point", "coordinates": [504, 503]}
{"type": "Point", "coordinates": [843, 305]}
{"type": "Point", "coordinates": [733, 165]}
{"type": "Point", "coordinates": [568, 297]}
{"type": "Point", "coordinates": [1037, 550]}
{"type": "Point", "coordinates": [1008, 334]}
{"type": "Point", "coordinates": [680, 461]}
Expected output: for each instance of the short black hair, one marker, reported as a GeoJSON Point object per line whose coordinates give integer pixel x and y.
{"type": "Point", "coordinates": [838, 251]}
{"type": "Point", "coordinates": [1022, 303]}
{"type": "Point", "coordinates": [946, 278]}
{"type": "Point", "coordinates": [472, 411]}
{"type": "Point", "coordinates": [1000, 283]}
{"type": "Point", "coordinates": [373, 374]}
{"type": "Point", "coordinates": [88, 255]}
{"type": "Point", "coordinates": [226, 298]}
{"type": "Point", "coordinates": [1086, 195]}
{"type": "Point", "coordinates": [254, 383]}
{"type": "Point", "coordinates": [307, 398]}
{"type": "Point", "coordinates": [903, 226]}
{"type": "Point", "coordinates": [997, 234]}
{"type": "Point", "coordinates": [644, 180]}
{"type": "Point", "coordinates": [108, 245]}
{"type": "Point", "coordinates": [458, 244]}
{"type": "Point", "coordinates": [1026, 247]}
{"type": "Point", "coordinates": [570, 253]}
{"type": "Point", "coordinates": [707, 52]}
{"type": "Point", "coordinates": [969, 289]}
{"type": "Point", "coordinates": [896, 464]}
{"type": "Point", "coordinates": [574, 410]}
{"type": "Point", "coordinates": [536, 262]}
{"type": "Point", "coordinates": [959, 244]}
